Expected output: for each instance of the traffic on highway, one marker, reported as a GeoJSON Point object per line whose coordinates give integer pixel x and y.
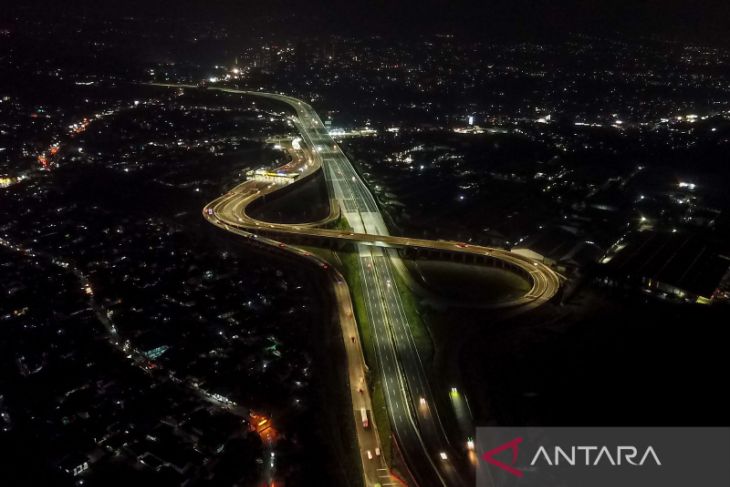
{"type": "Point", "coordinates": [420, 435]}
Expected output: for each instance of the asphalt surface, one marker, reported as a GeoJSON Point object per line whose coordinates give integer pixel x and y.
{"type": "Point", "coordinates": [420, 435]}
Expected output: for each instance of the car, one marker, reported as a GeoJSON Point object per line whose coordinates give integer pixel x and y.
{"type": "Point", "coordinates": [325, 266]}
{"type": "Point", "coordinates": [377, 452]}
{"type": "Point", "coordinates": [370, 455]}
{"type": "Point", "coordinates": [281, 245]}
{"type": "Point", "coordinates": [209, 211]}
{"type": "Point", "coordinates": [462, 245]}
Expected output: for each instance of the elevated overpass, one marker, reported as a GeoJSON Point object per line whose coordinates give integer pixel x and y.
{"type": "Point", "coordinates": [431, 458]}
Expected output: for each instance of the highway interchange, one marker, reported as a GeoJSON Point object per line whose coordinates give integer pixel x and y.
{"type": "Point", "coordinates": [431, 458]}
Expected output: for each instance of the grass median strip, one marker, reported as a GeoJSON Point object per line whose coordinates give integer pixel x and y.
{"type": "Point", "coordinates": [350, 267]}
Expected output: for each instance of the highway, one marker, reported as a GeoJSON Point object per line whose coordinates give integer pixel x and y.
{"type": "Point", "coordinates": [420, 435]}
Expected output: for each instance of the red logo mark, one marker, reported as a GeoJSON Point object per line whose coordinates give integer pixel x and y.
{"type": "Point", "coordinates": [510, 445]}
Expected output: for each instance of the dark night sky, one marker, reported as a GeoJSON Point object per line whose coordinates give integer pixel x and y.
{"type": "Point", "coordinates": [701, 21]}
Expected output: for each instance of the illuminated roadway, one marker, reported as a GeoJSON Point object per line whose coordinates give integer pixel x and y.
{"type": "Point", "coordinates": [409, 400]}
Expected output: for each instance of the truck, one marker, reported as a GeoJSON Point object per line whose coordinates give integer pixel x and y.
{"type": "Point", "coordinates": [364, 417]}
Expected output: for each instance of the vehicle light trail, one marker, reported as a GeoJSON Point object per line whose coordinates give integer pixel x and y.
{"type": "Point", "coordinates": [421, 437]}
